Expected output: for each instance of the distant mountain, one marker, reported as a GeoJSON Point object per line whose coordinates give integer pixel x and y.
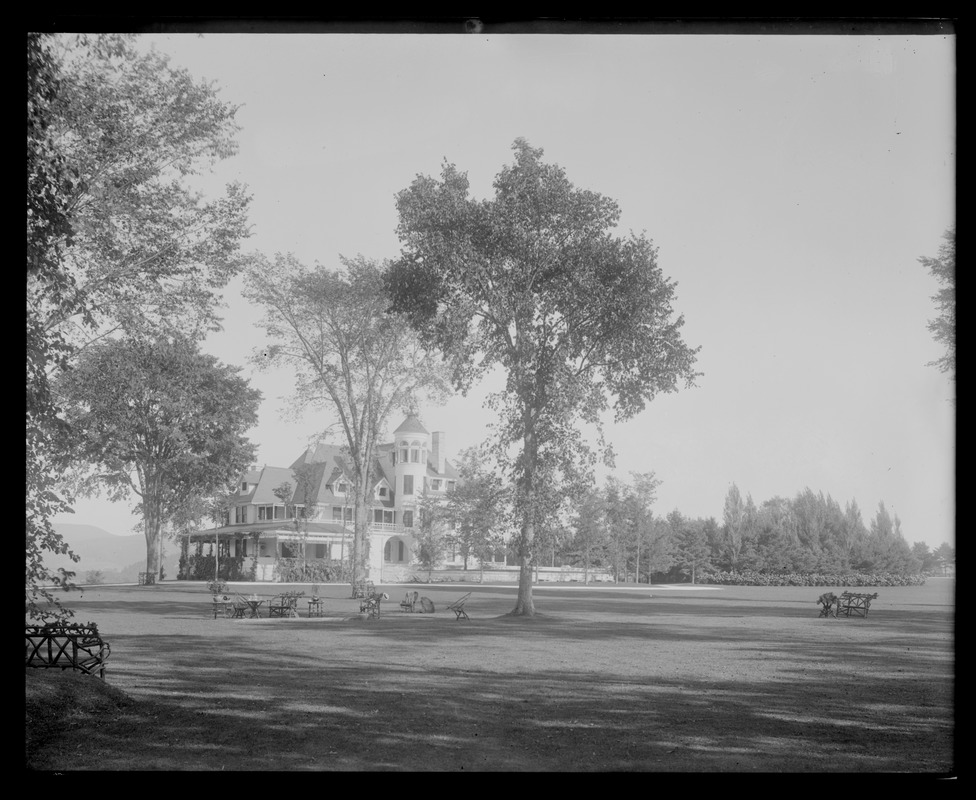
{"type": "Point", "coordinates": [120, 559]}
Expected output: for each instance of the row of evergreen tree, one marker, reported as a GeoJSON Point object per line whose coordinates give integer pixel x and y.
{"type": "Point", "coordinates": [613, 528]}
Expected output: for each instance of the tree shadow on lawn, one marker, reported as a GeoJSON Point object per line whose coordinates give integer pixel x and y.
{"type": "Point", "coordinates": [294, 712]}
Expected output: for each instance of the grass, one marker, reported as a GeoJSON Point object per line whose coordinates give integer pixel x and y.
{"type": "Point", "coordinates": [731, 679]}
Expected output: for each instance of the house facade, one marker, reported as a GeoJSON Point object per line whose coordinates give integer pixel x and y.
{"type": "Point", "coordinates": [278, 516]}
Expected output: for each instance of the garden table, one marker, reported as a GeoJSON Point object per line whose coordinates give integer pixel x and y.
{"type": "Point", "coordinates": [253, 605]}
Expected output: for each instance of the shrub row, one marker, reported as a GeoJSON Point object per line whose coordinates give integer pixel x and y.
{"type": "Point", "coordinates": [749, 578]}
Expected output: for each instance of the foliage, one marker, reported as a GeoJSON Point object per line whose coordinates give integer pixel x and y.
{"type": "Point", "coordinates": [146, 251]}
{"type": "Point", "coordinates": [217, 587]}
{"type": "Point", "coordinates": [430, 532]}
{"type": "Point", "coordinates": [750, 578]}
{"type": "Point", "coordinates": [943, 327]}
{"type": "Point", "coordinates": [49, 184]}
{"type": "Point", "coordinates": [533, 282]}
{"type": "Point", "coordinates": [159, 419]}
{"type": "Point", "coordinates": [479, 506]}
{"type": "Point", "coordinates": [349, 356]}
{"type": "Point", "coordinates": [116, 237]}
{"type": "Point", "coordinates": [312, 570]}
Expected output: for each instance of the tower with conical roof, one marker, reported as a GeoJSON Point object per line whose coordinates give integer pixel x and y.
{"type": "Point", "coordinates": [411, 443]}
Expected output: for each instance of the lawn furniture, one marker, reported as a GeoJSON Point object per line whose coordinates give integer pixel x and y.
{"type": "Point", "coordinates": [315, 607]}
{"type": "Point", "coordinates": [851, 604]}
{"type": "Point", "coordinates": [362, 589]}
{"type": "Point", "coordinates": [371, 604]}
{"type": "Point", "coordinates": [458, 607]}
{"type": "Point", "coordinates": [409, 603]}
{"type": "Point", "coordinates": [284, 604]}
{"type": "Point", "coordinates": [246, 607]}
{"type": "Point", "coordinates": [828, 601]}
{"type": "Point", "coordinates": [222, 607]}
{"type": "Point", "coordinates": [67, 646]}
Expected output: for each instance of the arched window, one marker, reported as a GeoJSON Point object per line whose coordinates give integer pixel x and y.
{"type": "Point", "coordinates": [415, 452]}
{"type": "Point", "coordinates": [394, 550]}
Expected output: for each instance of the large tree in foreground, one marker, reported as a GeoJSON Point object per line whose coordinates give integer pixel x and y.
{"type": "Point", "coordinates": [161, 420]}
{"type": "Point", "coordinates": [350, 357]}
{"type": "Point", "coordinates": [534, 282]}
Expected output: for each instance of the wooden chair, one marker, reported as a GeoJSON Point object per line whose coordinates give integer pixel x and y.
{"type": "Point", "coordinates": [458, 607]}
{"type": "Point", "coordinates": [409, 602]}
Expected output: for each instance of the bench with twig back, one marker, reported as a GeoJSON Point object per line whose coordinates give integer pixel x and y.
{"type": "Point", "coordinates": [851, 604]}
{"type": "Point", "coordinates": [458, 607]}
{"type": "Point", "coordinates": [63, 645]}
{"type": "Point", "coordinates": [284, 604]}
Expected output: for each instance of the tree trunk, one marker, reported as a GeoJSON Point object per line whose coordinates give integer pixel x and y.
{"type": "Point", "coordinates": [524, 605]}
{"type": "Point", "coordinates": [152, 521]}
{"type": "Point", "coordinates": [360, 541]}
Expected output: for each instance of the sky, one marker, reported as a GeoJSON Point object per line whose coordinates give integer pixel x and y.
{"type": "Point", "coordinates": [789, 182]}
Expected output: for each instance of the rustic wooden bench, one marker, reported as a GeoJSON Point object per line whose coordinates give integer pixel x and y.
{"type": "Point", "coordinates": [851, 604]}
{"type": "Point", "coordinates": [458, 607]}
{"type": "Point", "coordinates": [284, 605]}
{"type": "Point", "coordinates": [67, 646]}
{"type": "Point", "coordinates": [371, 604]}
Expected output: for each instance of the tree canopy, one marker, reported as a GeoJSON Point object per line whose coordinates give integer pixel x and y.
{"type": "Point", "coordinates": [534, 282]}
{"type": "Point", "coordinates": [158, 419]}
{"type": "Point", "coordinates": [351, 358]}
{"type": "Point", "coordinates": [943, 327]}
{"type": "Point", "coordinates": [117, 238]}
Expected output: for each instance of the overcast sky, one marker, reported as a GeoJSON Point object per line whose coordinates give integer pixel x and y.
{"type": "Point", "coordinates": [789, 182]}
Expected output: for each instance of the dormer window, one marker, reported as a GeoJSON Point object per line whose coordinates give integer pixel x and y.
{"type": "Point", "coordinates": [342, 487]}
{"type": "Point", "coordinates": [244, 487]}
{"type": "Point", "coordinates": [435, 484]}
{"type": "Point", "coordinates": [383, 492]}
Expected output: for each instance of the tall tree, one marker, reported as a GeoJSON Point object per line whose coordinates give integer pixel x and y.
{"type": "Point", "coordinates": [479, 506]}
{"type": "Point", "coordinates": [733, 515]}
{"type": "Point", "coordinates": [534, 282]}
{"type": "Point", "coordinates": [49, 186]}
{"type": "Point", "coordinates": [589, 522]}
{"type": "Point", "coordinates": [147, 250]}
{"type": "Point", "coordinates": [160, 420]}
{"type": "Point", "coordinates": [943, 327]}
{"type": "Point", "coordinates": [349, 355]}
{"type": "Point", "coordinates": [116, 236]}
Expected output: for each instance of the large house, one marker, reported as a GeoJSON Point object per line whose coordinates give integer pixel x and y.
{"type": "Point", "coordinates": [276, 511]}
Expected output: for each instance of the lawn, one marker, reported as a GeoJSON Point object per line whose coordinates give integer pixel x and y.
{"type": "Point", "coordinates": [730, 679]}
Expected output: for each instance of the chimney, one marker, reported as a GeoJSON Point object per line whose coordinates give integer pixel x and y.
{"type": "Point", "coordinates": [437, 450]}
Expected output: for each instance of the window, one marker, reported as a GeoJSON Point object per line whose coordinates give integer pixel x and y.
{"type": "Point", "coordinates": [268, 513]}
{"type": "Point", "coordinates": [435, 484]}
{"type": "Point", "coordinates": [383, 515]}
{"type": "Point", "coordinates": [337, 514]}
{"type": "Point", "coordinates": [342, 487]}
{"type": "Point", "coordinates": [404, 452]}
{"type": "Point", "coordinates": [407, 519]}
{"type": "Point", "coordinates": [450, 485]}
{"type": "Point", "coordinates": [323, 550]}
{"type": "Point", "coordinates": [394, 550]}
{"type": "Point", "coordinates": [408, 484]}
{"type": "Point", "coordinates": [243, 548]}
{"type": "Point", "coordinates": [244, 487]}
{"type": "Point", "coordinates": [240, 515]}
{"type": "Point", "coordinates": [383, 492]}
